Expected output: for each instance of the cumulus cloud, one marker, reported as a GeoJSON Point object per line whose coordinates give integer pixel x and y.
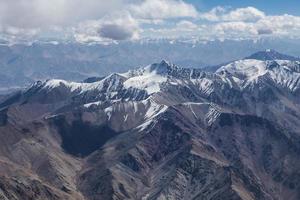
{"type": "Point", "coordinates": [186, 25]}
{"type": "Point", "coordinates": [282, 22]}
{"type": "Point", "coordinates": [226, 23]}
{"type": "Point", "coordinates": [120, 26]}
{"type": "Point", "coordinates": [162, 9]}
{"type": "Point", "coordinates": [240, 14]}
{"type": "Point", "coordinates": [235, 27]}
{"type": "Point", "coordinates": [234, 30]}
{"type": "Point", "coordinates": [214, 14]}
{"type": "Point", "coordinates": [30, 19]}
{"type": "Point", "coordinates": [249, 23]}
{"type": "Point", "coordinates": [115, 32]}
{"type": "Point", "coordinates": [43, 13]}
{"type": "Point", "coordinates": [244, 14]}
{"type": "Point", "coordinates": [88, 19]}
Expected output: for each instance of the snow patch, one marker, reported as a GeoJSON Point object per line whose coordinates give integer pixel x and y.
{"type": "Point", "coordinates": [212, 115]}
{"type": "Point", "coordinates": [152, 113]}
{"type": "Point", "coordinates": [96, 103]}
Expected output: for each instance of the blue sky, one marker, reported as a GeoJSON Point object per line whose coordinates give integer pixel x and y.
{"type": "Point", "coordinates": [268, 6]}
{"type": "Point", "coordinates": [110, 21]}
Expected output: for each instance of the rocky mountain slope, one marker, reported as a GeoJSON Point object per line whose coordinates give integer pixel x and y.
{"type": "Point", "coordinates": [157, 132]}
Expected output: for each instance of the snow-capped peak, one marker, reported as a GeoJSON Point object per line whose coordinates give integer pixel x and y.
{"type": "Point", "coordinates": [248, 69]}
{"type": "Point", "coordinates": [148, 78]}
{"type": "Point", "coordinates": [112, 82]}
{"type": "Point", "coordinates": [161, 68]}
{"type": "Point", "coordinates": [55, 83]}
{"type": "Point", "coordinates": [284, 73]}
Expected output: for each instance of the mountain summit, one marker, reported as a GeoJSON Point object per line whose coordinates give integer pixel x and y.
{"type": "Point", "coordinates": [270, 54]}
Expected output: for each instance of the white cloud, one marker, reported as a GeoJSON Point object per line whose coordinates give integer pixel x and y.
{"type": "Point", "coordinates": [234, 30]}
{"type": "Point", "coordinates": [244, 14]}
{"type": "Point", "coordinates": [228, 26]}
{"type": "Point", "coordinates": [240, 14]}
{"type": "Point", "coordinates": [285, 22]}
{"type": "Point", "coordinates": [44, 13]}
{"type": "Point", "coordinates": [249, 23]}
{"type": "Point", "coordinates": [163, 9]}
{"type": "Point", "coordinates": [214, 14]}
{"type": "Point", "coordinates": [186, 25]}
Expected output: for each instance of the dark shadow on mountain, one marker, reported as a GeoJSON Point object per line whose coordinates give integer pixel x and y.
{"type": "Point", "coordinates": [11, 99]}
{"type": "Point", "coordinates": [81, 138]}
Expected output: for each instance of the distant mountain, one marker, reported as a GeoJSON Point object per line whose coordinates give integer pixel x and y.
{"type": "Point", "coordinates": [270, 54]}
{"type": "Point", "coordinates": [266, 55]}
{"type": "Point", "coordinates": [156, 132]}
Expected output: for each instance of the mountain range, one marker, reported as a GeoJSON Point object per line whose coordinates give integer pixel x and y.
{"type": "Point", "coordinates": [157, 132]}
{"type": "Point", "coordinates": [22, 65]}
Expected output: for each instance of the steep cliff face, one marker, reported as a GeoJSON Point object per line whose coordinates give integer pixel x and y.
{"type": "Point", "coordinates": [158, 132]}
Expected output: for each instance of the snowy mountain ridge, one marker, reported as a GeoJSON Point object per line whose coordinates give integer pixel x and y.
{"type": "Point", "coordinates": [282, 72]}
{"type": "Point", "coordinates": [152, 78]}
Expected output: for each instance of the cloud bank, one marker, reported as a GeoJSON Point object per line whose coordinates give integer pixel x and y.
{"type": "Point", "coordinates": [115, 20]}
